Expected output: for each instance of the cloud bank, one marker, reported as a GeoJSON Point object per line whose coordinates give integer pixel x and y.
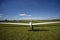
{"type": "Point", "coordinates": [23, 15]}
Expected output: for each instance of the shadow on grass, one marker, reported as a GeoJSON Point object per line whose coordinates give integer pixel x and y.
{"type": "Point", "coordinates": [36, 30]}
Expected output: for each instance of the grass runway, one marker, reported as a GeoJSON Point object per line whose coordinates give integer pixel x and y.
{"type": "Point", "coordinates": [23, 32]}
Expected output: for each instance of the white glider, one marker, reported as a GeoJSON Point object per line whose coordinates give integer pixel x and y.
{"type": "Point", "coordinates": [30, 23]}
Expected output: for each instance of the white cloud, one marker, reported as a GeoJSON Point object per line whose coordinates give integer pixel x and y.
{"type": "Point", "coordinates": [33, 18]}
{"type": "Point", "coordinates": [24, 14]}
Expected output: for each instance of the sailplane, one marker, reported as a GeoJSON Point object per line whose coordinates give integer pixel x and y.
{"type": "Point", "coordinates": [30, 23]}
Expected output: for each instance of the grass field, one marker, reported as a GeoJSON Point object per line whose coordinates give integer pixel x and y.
{"type": "Point", "coordinates": [23, 32]}
{"type": "Point", "coordinates": [34, 21]}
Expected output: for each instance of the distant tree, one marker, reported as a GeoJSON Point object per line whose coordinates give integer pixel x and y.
{"type": "Point", "coordinates": [6, 20]}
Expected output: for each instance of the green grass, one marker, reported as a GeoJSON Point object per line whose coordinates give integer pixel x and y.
{"type": "Point", "coordinates": [34, 21]}
{"type": "Point", "coordinates": [20, 32]}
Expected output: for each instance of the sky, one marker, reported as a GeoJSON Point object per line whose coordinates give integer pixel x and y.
{"type": "Point", "coordinates": [27, 9]}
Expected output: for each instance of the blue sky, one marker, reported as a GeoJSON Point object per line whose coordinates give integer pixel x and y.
{"type": "Point", "coordinates": [26, 9]}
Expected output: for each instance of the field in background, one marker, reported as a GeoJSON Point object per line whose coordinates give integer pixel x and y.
{"type": "Point", "coordinates": [27, 21]}
{"type": "Point", "coordinates": [23, 32]}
